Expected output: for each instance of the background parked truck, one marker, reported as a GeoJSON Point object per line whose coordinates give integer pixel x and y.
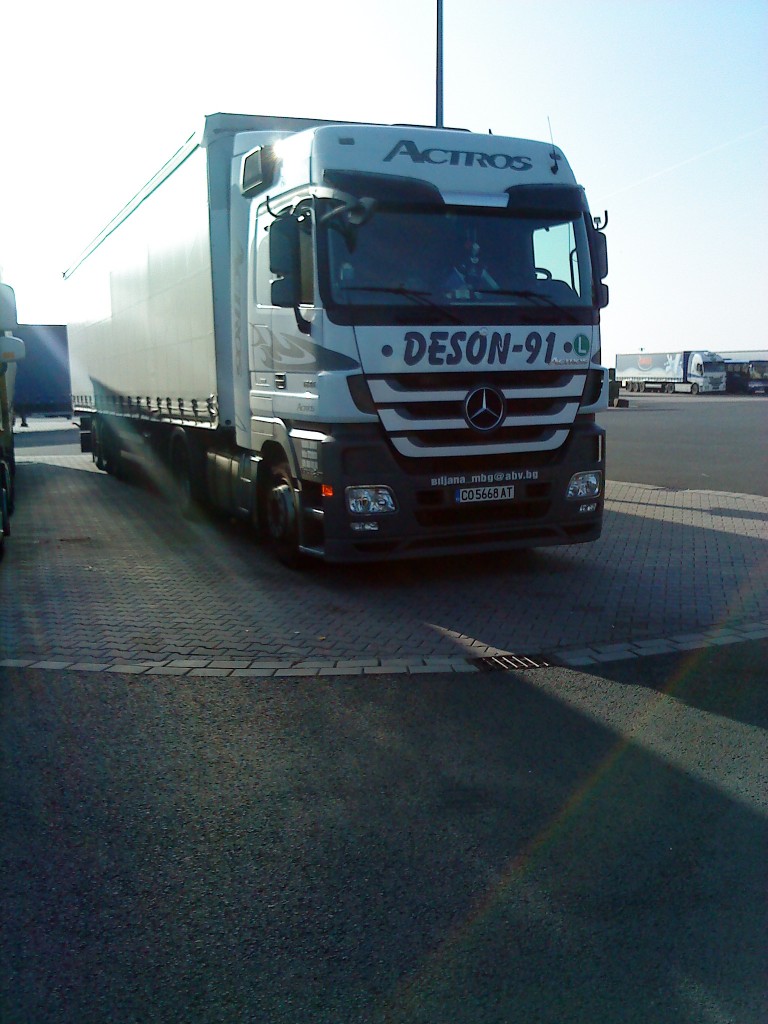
{"type": "Point", "coordinates": [687, 371]}
{"type": "Point", "coordinates": [746, 372]}
{"type": "Point", "coordinates": [371, 341]}
{"type": "Point", "coordinates": [11, 351]}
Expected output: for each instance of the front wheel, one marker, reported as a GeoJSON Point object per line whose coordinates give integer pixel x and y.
{"type": "Point", "coordinates": [694, 389]}
{"type": "Point", "coordinates": [282, 516]}
{"type": "Point", "coordinates": [5, 512]}
{"type": "Point", "coordinates": [7, 482]}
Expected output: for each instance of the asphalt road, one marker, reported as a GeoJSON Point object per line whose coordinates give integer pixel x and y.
{"type": "Point", "coordinates": [546, 846]}
{"type": "Point", "coordinates": [706, 442]}
{"type": "Point", "coordinates": [554, 846]}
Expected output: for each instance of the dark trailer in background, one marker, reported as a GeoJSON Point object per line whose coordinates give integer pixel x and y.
{"type": "Point", "coordinates": [42, 382]}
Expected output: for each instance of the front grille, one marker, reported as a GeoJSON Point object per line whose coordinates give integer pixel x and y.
{"type": "Point", "coordinates": [423, 414]}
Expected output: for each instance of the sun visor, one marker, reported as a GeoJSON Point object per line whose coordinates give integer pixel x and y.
{"type": "Point", "coordinates": [386, 188]}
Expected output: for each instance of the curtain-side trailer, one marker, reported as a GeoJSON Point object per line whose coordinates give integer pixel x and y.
{"type": "Point", "coordinates": [371, 341]}
{"type": "Point", "coordinates": [690, 372]}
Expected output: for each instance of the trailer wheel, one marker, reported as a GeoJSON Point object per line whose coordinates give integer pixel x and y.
{"type": "Point", "coordinates": [111, 452]}
{"type": "Point", "coordinates": [694, 389]}
{"type": "Point", "coordinates": [97, 443]}
{"type": "Point", "coordinates": [181, 473]}
{"type": "Point", "coordinates": [282, 516]}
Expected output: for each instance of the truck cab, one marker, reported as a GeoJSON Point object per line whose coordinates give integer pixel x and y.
{"type": "Point", "coordinates": [397, 279]}
{"type": "Point", "coordinates": [707, 371]}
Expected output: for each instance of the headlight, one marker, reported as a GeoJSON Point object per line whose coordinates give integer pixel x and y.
{"type": "Point", "coordinates": [372, 499]}
{"type": "Point", "coordinates": [585, 485]}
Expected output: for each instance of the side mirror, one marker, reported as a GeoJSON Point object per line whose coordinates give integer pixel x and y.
{"type": "Point", "coordinates": [284, 261]}
{"type": "Point", "coordinates": [8, 321]}
{"type": "Point", "coordinates": [600, 254]}
{"type": "Point", "coordinates": [600, 267]}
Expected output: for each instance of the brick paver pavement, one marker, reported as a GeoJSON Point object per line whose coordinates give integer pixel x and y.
{"type": "Point", "coordinates": [101, 575]}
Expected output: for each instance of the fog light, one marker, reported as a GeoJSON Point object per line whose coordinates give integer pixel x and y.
{"type": "Point", "coordinates": [585, 485]}
{"type": "Point", "coordinates": [370, 500]}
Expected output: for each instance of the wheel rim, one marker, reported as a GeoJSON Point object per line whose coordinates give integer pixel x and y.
{"type": "Point", "coordinates": [281, 513]}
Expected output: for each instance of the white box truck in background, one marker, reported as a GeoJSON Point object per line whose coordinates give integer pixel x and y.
{"type": "Point", "coordinates": [691, 372]}
{"type": "Point", "coordinates": [11, 351]}
{"type": "Point", "coordinates": [371, 341]}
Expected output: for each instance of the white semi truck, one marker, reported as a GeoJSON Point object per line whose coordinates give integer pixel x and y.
{"type": "Point", "coordinates": [11, 351]}
{"type": "Point", "coordinates": [374, 342]}
{"type": "Point", "coordinates": [691, 372]}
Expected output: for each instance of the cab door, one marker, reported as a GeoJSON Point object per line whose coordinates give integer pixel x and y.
{"type": "Point", "coordinates": [260, 327]}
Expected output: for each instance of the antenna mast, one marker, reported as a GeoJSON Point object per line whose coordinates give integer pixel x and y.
{"type": "Point", "coordinates": [439, 74]}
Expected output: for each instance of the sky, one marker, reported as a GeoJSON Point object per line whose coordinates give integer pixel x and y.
{"type": "Point", "coordinates": [660, 106]}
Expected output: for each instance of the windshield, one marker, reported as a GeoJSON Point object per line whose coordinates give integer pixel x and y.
{"type": "Point", "coordinates": [712, 366]}
{"type": "Point", "coordinates": [455, 263]}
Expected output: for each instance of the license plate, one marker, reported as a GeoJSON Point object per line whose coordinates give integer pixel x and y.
{"type": "Point", "coordinates": [496, 493]}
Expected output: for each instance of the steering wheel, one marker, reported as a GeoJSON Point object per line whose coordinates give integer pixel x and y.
{"type": "Point", "coordinates": [546, 275]}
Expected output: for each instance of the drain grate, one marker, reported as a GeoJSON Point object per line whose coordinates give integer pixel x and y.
{"type": "Point", "coordinates": [508, 663]}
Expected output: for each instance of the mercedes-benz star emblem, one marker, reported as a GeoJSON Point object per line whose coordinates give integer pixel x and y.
{"type": "Point", "coordinates": [485, 409]}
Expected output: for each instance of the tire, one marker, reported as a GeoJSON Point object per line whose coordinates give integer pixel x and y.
{"type": "Point", "coordinates": [181, 473]}
{"type": "Point", "coordinates": [111, 452]}
{"type": "Point", "coordinates": [7, 470]}
{"type": "Point", "coordinates": [694, 389]}
{"type": "Point", "coordinates": [97, 443]}
{"type": "Point", "coordinates": [5, 512]}
{"type": "Point", "coordinates": [282, 516]}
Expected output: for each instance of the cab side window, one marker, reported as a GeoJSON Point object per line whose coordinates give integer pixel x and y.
{"type": "Point", "coordinates": [306, 266]}
{"type": "Point", "coordinates": [262, 274]}
{"type": "Point", "coordinates": [554, 251]}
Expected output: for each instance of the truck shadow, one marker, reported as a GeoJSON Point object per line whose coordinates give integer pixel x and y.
{"type": "Point", "coordinates": [372, 850]}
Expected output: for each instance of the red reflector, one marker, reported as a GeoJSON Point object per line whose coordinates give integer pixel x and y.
{"type": "Point", "coordinates": [327, 491]}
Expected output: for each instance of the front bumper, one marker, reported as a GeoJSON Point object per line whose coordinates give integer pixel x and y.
{"type": "Point", "coordinates": [429, 521]}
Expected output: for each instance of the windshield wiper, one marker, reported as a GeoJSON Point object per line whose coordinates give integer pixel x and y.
{"type": "Point", "coordinates": [526, 293]}
{"type": "Point", "coordinates": [411, 293]}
